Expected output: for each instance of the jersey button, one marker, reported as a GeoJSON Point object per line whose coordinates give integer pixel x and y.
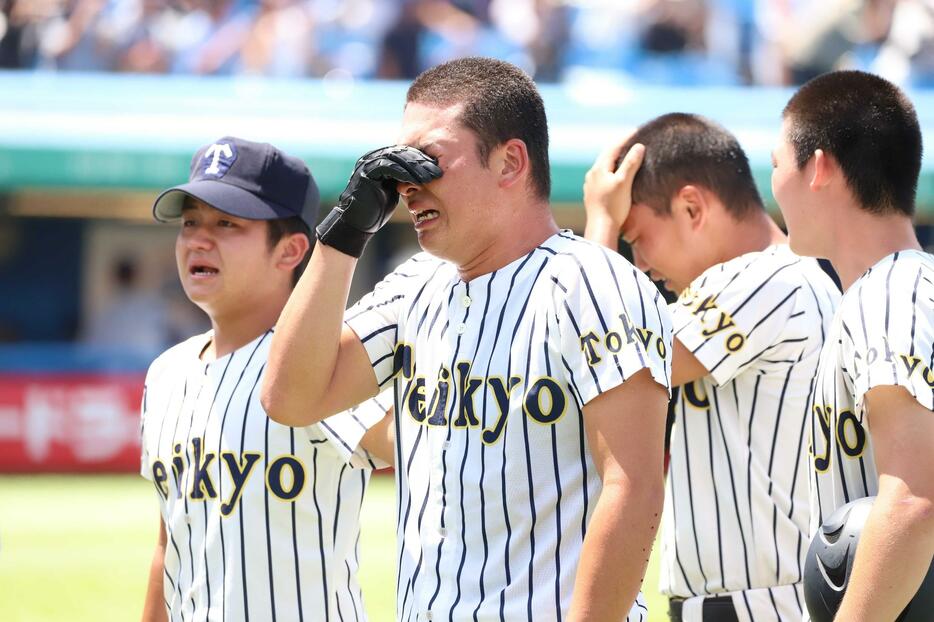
{"type": "Point", "coordinates": [466, 301]}
{"type": "Point", "coordinates": [461, 328]}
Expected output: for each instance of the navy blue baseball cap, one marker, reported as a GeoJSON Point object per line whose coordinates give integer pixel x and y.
{"type": "Point", "coordinates": [251, 180]}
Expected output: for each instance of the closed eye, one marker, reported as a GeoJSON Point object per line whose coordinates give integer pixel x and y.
{"type": "Point", "coordinates": [429, 150]}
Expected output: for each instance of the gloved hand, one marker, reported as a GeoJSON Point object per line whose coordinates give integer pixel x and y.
{"type": "Point", "coordinates": [370, 196]}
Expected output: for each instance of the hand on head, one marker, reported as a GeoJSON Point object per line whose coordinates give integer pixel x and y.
{"type": "Point", "coordinates": [608, 184]}
{"type": "Point", "coordinates": [371, 196]}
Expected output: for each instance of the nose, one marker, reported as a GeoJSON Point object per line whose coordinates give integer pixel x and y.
{"type": "Point", "coordinates": [198, 238]}
{"type": "Point", "coordinates": [406, 189]}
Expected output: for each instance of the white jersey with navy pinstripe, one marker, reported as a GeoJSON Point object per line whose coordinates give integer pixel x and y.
{"type": "Point", "coordinates": [495, 480]}
{"type": "Point", "coordinates": [261, 519]}
{"type": "Point", "coordinates": [736, 503]}
{"type": "Point", "coordinates": [883, 334]}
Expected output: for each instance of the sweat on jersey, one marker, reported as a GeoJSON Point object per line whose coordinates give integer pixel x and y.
{"type": "Point", "coordinates": [882, 335]}
{"type": "Point", "coordinates": [262, 520]}
{"type": "Point", "coordinates": [495, 481]}
{"type": "Point", "coordinates": [736, 500]}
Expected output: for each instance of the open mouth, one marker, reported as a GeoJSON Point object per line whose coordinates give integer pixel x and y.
{"type": "Point", "coordinates": [425, 216]}
{"type": "Point", "coordinates": [200, 270]}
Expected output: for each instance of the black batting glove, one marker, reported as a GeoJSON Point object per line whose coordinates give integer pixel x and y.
{"type": "Point", "coordinates": [370, 196]}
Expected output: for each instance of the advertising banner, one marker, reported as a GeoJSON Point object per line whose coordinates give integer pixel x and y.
{"type": "Point", "coordinates": [69, 422]}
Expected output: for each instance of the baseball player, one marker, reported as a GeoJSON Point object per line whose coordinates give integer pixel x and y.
{"type": "Point", "coordinates": [529, 366]}
{"type": "Point", "coordinates": [749, 323]}
{"type": "Point", "coordinates": [844, 174]}
{"type": "Point", "coordinates": [259, 520]}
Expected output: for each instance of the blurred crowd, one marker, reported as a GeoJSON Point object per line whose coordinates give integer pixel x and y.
{"type": "Point", "coordinates": [711, 42]}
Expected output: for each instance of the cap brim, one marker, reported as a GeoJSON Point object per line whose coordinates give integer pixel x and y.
{"type": "Point", "coordinates": [224, 197]}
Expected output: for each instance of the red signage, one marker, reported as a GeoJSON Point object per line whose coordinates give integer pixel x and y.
{"type": "Point", "coordinates": [69, 422]}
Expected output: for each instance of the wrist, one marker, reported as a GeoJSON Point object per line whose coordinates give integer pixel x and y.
{"type": "Point", "coordinates": [602, 230]}
{"type": "Point", "coordinates": [337, 234]}
{"type": "Point", "coordinates": [604, 222]}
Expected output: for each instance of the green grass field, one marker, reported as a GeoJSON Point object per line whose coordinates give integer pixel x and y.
{"type": "Point", "coordinates": [77, 549]}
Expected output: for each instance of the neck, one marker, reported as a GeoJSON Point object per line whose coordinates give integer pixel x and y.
{"type": "Point", "coordinates": [508, 247]}
{"type": "Point", "coordinates": [234, 330]}
{"type": "Point", "coordinates": [752, 234]}
{"type": "Point", "coordinates": [865, 239]}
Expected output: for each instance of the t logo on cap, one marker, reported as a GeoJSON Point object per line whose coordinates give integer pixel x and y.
{"type": "Point", "coordinates": [221, 155]}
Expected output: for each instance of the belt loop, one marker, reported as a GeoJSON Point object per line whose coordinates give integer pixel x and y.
{"type": "Point", "coordinates": [719, 609]}
{"type": "Point", "coordinates": [674, 609]}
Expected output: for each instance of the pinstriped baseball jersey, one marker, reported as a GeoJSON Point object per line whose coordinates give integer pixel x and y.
{"type": "Point", "coordinates": [736, 506]}
{"type": "Point", "coordinates": [261, 519]}
{"type": "Point", "coordinates": [494, 477]}
{"type": "Point", "coordinates": [883, 334]}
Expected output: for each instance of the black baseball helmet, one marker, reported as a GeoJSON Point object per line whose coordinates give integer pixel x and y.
{"type": "Point", "coordinates": [829, 563]}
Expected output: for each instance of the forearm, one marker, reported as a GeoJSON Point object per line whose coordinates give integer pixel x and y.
{"type": "Point", "coordinates": [380, 439]}
{"type": "Point", "coordinates": [616, 550]}
{"type": "Point", "coordinates": [602, 230]}
{"type": "Point", "coordinates": [304, 349]}
{"type": "Point", "coordinates": [894, 554]}
{"type": "Point", "coordinates": [154, 605]}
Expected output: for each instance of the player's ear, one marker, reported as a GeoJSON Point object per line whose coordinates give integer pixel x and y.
{"type": "Point", "coordinates": [511, 162]}
{"type": "Point", "coordinates": [291, 250]}
{"type": "Point", "coordinates": [691, 205]}
{"type": "Point", "coordinates": [824, 168]}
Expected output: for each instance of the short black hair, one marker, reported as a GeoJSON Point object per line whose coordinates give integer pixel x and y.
{"type": "Point", "coordinates": [682, 149]}
{"type": "Point", "coordinates": [278, 228]}
{"type": "Point", "coordinates": [500, 102]}
{"type": "Point", "coordinates": [870, 128]}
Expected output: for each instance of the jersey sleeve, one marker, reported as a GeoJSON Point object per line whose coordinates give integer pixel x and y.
{"type": "Point", "coordinates": [735, 316]}
{"type": "Point", "coordinates": [153, 375]}
{"type": "Point", "coordinates": [375, 317]}
{"type": "Point", "coordinates": [144, 446]}
{"type": "Point", "coordinates": [345, 430]}
{"type": "Point", "coordinates": [889, 334]}
{"type": "Point", "coordinates": [613, 322]}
